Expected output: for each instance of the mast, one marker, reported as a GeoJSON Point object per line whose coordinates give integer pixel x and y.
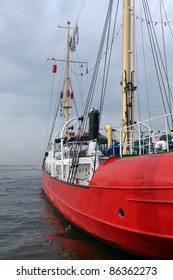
{"type": "Point", "coordinates": [71, 46]}
{"type": "Point", "coordinates": [67, 79]}
{"type": "Point", "coordinates": [128, 88]}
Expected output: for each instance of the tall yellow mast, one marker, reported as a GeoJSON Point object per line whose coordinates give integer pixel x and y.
{"type": "Point", "coordinates": [127, 76]}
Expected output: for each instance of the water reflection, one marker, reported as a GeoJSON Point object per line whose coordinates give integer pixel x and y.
{"type": "Point", "coordinates": [67, 242]}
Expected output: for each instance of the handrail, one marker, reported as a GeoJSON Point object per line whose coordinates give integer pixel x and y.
{"type": "Point", "coordinates": [147, 144]}
{"type": "Point", "coordinates": [53, 143]}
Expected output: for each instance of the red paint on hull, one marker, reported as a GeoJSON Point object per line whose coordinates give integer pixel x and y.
{"type": "Point", "coordinates": [129, 204]}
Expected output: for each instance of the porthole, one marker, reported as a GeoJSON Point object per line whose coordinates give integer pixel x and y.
{"type": "Point", "coordinates": [121, 212]}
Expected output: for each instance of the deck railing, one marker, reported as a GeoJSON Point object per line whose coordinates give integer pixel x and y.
{"type": "Point", "coordinates": [150, 136]}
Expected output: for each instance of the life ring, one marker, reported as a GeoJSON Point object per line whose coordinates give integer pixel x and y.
{"type": "Point", "coordinates": [156, 136]}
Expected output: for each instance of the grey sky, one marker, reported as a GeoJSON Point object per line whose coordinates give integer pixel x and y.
{"type": "Point", "coordinates": [29, 34]}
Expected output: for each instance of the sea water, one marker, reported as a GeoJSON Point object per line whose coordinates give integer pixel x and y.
{"type": "Point", "coordinates": [30, 228]}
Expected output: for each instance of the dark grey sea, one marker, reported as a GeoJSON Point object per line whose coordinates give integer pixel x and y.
{"type": "Point", "coordinates": [30, 229]}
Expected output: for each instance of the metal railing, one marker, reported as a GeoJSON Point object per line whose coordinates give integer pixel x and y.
{"type": "Point", "coordinates": [150, 136]}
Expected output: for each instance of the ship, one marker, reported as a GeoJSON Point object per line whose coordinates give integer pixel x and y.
{"type": "Point", "coordinates": [116, 189]}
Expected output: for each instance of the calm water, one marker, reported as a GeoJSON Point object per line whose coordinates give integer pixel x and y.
{"type": "Point", "coordinates": [30, 228]}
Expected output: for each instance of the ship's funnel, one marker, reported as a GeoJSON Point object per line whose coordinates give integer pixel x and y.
{"type": "Point", "coordinates": [93, 124]}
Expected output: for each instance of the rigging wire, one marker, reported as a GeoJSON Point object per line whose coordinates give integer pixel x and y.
{"type": "Point", "coordinates": [145, 71]}
{"type": "Point", "coordinates": [164, 50]}
{"type": "Point", "coordinates": [80, 11]}
{"type": "Point", "coordinates": [50, 106]}
{"type": "Point", "coordinates": [80, 91]}
{"type": "Point", "coordinates": [58, 100]}
{"type": "Point", "coordinates": [51, 57]}
{"type": "Point", "coordinates": [158, 60]}
{"type": "Point", "coordinates": [163, 40]}
{"type": "Point", "coordinates": [57, 103]}
{"type": "Point", "coordinates": [154, 51]}
{"type": "Point", "coordinates": [77, 114]}
{"type": "Point", "coordinates": [57, 108]}
{"type": "Point", "coordinates": [95, 73]}
{"type": "Point", "coordinates": [168, 22]}
{"type": "Point", "coordinates": [138, 88]}
{"type": "Point", "coordinates": [137, 75]}
{"type": "Point", "coordinates": [75, 160]}
{"type": "Point", "coordinates": [93, 67]}
{"type": "Point", "coordinates": [105, 79]}
{"type": "Point", "coordinates": [154, 21]}
{"type": "Point", "coordinates": [51, 132]}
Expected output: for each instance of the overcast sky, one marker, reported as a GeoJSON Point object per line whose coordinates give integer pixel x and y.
{"type": "Point", "coordinates": [29, 35]}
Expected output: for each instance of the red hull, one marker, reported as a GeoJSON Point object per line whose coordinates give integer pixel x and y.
{"type": "Point", "coordinates": [128, 204]}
